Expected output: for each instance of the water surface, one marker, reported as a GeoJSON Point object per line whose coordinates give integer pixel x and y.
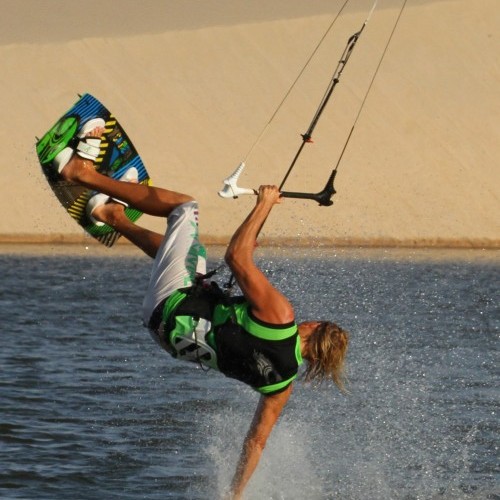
{"type": "Point", "coordinates": [91, 408]}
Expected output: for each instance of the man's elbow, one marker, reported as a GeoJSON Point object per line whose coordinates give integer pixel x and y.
{"type": "Point", "coordinates": [230, 256]}
{"type": "Point", "coordinates": [236, 258]}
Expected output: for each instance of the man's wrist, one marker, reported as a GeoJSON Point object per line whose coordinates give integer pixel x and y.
{"type": "Point", "coordinates": [265, 203]}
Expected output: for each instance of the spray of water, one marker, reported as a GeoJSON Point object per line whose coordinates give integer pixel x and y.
{"type": "Point", "coordinates": [285, 470]}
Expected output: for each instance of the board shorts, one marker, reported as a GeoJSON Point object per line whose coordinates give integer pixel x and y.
{"type": "Point", "coordinates": [179, 259]}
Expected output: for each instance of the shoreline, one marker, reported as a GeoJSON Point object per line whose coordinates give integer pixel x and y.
{"type": "Point", "coordinates": [88, 249]}
{"type": "Point", "coordinates": [383, 242]}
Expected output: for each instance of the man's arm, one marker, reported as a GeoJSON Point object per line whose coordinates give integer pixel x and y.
{"type": "Point", "coordinates": [267, 303]}
{"type": "Point", "coordinates": [266, 415]}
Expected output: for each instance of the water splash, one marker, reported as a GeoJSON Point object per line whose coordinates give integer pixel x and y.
{"type": "Point", "coordinates": [285, 471]}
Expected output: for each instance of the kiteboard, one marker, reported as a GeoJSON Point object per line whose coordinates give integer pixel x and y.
{"type": "Point", "coordinates": [116, 155]}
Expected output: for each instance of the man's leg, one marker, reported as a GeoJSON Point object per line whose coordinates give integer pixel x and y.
{"type": "Point", "coordinates": [179, 255]}
{"type": "Point", "coordinates": [179, 258]}
{"type": "Point", "coordinates": [113, 214]}
{"type": "Point", "coordinates": [150, 200]}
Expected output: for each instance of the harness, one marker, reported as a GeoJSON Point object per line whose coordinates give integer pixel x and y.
{"type": "Point", "coordinates": [183, 321]}
{"type": "Point", "coordinates": [202, 324]}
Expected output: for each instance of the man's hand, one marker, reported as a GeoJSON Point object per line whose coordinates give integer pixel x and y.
{"type": "Point", "coordinates": [269, 194]}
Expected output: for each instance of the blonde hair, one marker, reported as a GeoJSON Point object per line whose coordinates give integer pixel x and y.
{"type": "Point", "coordinates": [326, 350]}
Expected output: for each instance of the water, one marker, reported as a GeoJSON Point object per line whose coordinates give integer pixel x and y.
{"type": "Point", "coordinates": [91, 408]}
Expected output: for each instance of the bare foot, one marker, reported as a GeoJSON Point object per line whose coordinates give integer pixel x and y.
{"type": "Point", "coordinates": [110, 213]}
{"type": "Point", "coordinates": [74, 169]}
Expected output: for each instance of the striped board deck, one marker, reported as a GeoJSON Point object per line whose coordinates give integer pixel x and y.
{"type": "Point", "coordinates": [117, 154]}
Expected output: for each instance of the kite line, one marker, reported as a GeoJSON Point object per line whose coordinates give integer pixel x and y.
{"type": "Point", "coordinates": [230, 184]}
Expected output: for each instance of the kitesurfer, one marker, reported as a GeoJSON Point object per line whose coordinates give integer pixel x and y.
{"type": "Point", "coordinates": [253, 338]}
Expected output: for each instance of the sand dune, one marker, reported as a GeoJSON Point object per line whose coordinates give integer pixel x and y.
{"type": "Point", "coordinates": [195, 83]}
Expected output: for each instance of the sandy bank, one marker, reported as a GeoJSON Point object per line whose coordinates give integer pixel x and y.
{"type": "Point", "coordinates": [194, 88]}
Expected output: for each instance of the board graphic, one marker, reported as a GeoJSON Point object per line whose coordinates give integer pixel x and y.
{"type": "Point", "coordinates": [117, 154]}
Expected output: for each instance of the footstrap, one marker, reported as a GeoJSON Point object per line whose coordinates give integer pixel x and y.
{"type": "Point", "coordinates": [89, 148]}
